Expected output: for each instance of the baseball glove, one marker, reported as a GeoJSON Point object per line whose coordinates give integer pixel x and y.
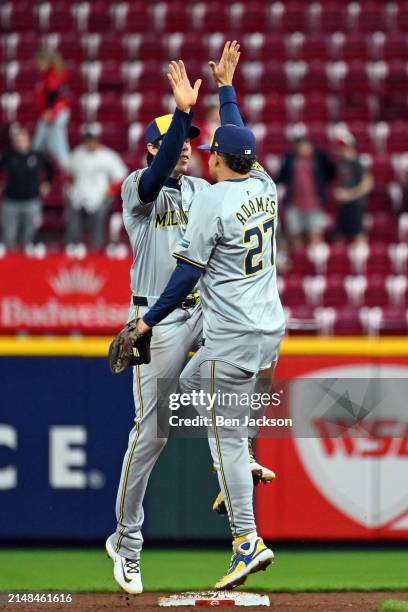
{"type": "Point", "coordinates": [129, 348]}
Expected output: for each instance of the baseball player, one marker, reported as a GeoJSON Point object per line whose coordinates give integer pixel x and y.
{"type": "Point", "coordinates": [156, 201]}
{"type": "Point", "coordinates": [229, 245]}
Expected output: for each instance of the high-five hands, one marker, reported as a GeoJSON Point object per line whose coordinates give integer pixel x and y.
{"type": "Point", "coordinates": [184, 94]}
{"type": "Point", "coordinates": [223, 72]}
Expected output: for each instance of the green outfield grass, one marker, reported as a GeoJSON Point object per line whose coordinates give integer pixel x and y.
{"type": "Point", "coordinates": [393, 605]}
{"type": "Point", "coordinates": [178, 570]}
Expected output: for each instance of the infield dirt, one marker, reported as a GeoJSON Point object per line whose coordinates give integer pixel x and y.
{"type": "Point", "coordinates": [282, 602]}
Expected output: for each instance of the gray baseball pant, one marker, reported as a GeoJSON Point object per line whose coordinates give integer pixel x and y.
{"type": "Point", "coordinates": [228, 443]}
{"type": "Point", "coordinates": [172, 340]}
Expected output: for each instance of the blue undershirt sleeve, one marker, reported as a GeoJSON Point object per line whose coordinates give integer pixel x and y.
{"type": "Point", "coordinates": [154, 177]}
{"type": "Point", "coordinates": [181, 283]}
{"type": "Point", "coordinates": [229, 111]}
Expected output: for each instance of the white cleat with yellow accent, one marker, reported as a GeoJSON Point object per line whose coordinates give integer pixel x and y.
{"type": "Point", "coordinates": [126, 572]}
{"type": "Point", "coordinates": [250, 555]}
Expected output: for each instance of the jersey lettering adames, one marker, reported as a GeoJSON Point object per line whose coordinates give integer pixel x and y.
{"type": "Point", "coordinates": [231, 235]}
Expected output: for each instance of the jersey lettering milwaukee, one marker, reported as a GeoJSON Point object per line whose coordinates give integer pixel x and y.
{"type": "Point", "coordinates": [154, 230]}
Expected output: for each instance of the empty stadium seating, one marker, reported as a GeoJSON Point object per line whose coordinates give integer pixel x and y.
{"type": "Point", "coordinates": [305, 65]}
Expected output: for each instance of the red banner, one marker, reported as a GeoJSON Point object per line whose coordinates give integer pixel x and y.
{"type": "Point", "coordinates": [342, 487]}
{"type": "Point", "coordinates": [59, 294]}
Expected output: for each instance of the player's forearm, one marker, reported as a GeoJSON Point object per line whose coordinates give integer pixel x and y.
{"type": "Point", "coordinates": [154, 177]}
{"type": "Point", "coordinates": [229, 111]}
{"type": "Point", "coordinates": [181, 283]}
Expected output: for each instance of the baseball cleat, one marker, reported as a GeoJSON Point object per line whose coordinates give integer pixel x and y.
{"type": "Point", "coordinates": [260, 473]}
{"type": "Point", "coordinates": [249, 556]}
{"type": "Point", "coordinates": [126, 572]}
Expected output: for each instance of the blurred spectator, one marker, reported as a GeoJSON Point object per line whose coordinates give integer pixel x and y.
{"type": "Point", "coordinates": [96, 173]}
{"type": "Point", "coordinates": [52, 91]}
{"type": "Point", "coordinates": [22, 207]}
{"type": "Point", "coordinates": [354, 185]}
{"type": "Point", "coordinates": [305, 172]}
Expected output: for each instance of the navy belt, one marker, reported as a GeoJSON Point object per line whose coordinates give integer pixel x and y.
{"type": "Point", "coordinates": [191, 300]}
{"type": "Point", "coordinates": [139, 301]}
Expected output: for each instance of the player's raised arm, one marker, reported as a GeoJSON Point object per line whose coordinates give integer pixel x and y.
{"type": "Point", "coordinates": [223, 74]}
{"type": "Point", "coordinates": [167, 154]}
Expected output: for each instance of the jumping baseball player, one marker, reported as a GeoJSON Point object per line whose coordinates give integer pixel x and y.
{"type": "Point", "coordinates": [156, 201]}
{"type": "Point", "coordinates": [229, 245]}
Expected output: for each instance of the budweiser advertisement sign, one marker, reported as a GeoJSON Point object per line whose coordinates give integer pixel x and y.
{"type": "Point", "coordinates": [61, 294]}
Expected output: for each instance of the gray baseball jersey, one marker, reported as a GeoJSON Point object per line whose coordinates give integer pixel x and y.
{"type": "Point", "coordinates": [231, 234]}
{"type": "Point", "coordinates": [154, 230]}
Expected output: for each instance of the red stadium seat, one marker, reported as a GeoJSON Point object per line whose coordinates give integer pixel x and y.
{"type": "Point", "coordinates": [211, 17]}
{"type": "Point", "coordinates": [393, 321]}
{"type": "Point", "coordinates": [21, 46]}
{"type": "Point", "coordinates": [313, 47]}
{"type": "Point", "coordinates": [383, 224]}
{"type": "Point", "coordinates": [19, 17]}
{"type": "Point", "coordinates": [395, 47]}
{"type": "Point", "coordinates": [370, 17]}
{"type": "Point", "coordinates": [375, 293]}
{"type": "Point", "coordinates": [294, 17]}
{"type": "Point", "coordinates": [134, 17]}
{"type": "Point", "coordinates": [57, 17]}
{"type": "Point", "coordinates": [253, 17]}
{"type": "Point", "coordinates": [348, 322]}
{"type": "Point", "coordinates": [146, 47]}
{"type": "Point", "coordinates": [106, 46]}
{"type": "Point", "coordinates": [355, 46]}
{"type": "Point", "coordinates": [333, 18]}
{"type": "Point", "coordinates": [292, 292]}
{"type": "Point", "coordinates": [301, 263]}
{"type": "Point", "coordinates": [301, 320]}
{"type": "Point", "coordinates": [98, 18]}
{"type": "Point", "coordinates": [171, 17]}
{"type": "Point", "coordinates": [339, 260]}
{"type": "Point", "coordinates": [335, 293]}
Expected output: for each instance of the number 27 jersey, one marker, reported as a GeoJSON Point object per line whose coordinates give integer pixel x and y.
{"type": "Point", "coordinates": [231, 235]}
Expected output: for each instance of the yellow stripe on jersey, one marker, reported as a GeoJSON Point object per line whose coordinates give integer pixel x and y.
{"type": "Point", "coordinates": [190, 261]}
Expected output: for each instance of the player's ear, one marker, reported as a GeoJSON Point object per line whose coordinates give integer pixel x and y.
{"type": "Point", "coordinates": [218, 159]}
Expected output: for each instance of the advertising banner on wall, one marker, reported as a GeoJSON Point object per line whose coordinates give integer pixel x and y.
{"type": "Point", "coordinates": [333, 481]}
{"type": "Point", "coordinates": [64, 431]}
{"type": "Point", "coordinates": [60, 294]}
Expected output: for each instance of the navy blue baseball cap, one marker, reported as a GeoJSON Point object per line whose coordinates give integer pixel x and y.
{"type": "Point", "coordinates": [159, 127]}
{"type": "Point", "coordinates": [232, 140]}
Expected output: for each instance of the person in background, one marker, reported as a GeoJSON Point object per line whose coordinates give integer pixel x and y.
{"type": "Point", "coordinates": [53, 102]}
{"type": "Point", "coordinates": [96, 174]}
{"type": "Point", "coordinates": [353, 187]}
{"type": "Point", "coordinates": [305, 172]}
{"type": "Point", "coordinates": [28, 177]}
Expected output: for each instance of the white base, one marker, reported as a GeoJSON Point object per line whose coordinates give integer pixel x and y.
{"type": "Point", "coordinates": [215, 598]}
